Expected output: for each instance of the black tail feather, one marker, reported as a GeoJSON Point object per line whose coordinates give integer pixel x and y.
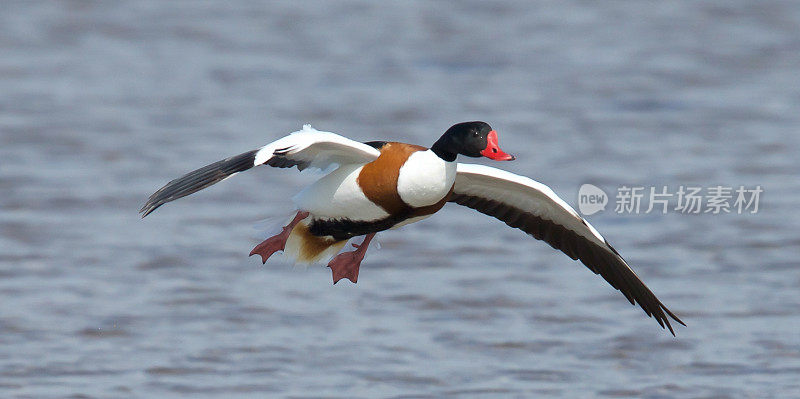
{"type": "Point", "coordinates": [199, 179]}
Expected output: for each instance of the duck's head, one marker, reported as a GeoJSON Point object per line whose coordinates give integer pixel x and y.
{"type": "Point", "coordinates": [473, 139]}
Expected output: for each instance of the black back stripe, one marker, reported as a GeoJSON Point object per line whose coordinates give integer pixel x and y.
{"type": "Point", "coordinates": [376, 144]}
{"type": "Point", "coordinates": [604, 261]}
{"type": "Point", "coordinates": [279, 161]}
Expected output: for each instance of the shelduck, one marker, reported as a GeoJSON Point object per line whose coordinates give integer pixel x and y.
{"type": "Point", "coordinates": [380, 185]}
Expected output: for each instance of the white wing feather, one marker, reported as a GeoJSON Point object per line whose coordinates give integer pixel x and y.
{"type": "Point", "coordinates": [535, 209]}
{"type": "Point", "coordinates": [522, 193]}
{"type": "Point", "coordinates": [307, 148]}
{"type": "Point", "coordinates": [317, 149]}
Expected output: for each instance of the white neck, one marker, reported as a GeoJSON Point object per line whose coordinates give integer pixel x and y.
{"type": "Point", "coordinates": [425, 179]}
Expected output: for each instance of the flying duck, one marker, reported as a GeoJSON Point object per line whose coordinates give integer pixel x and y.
{"type": "Point", "coordinates": [380, 185]}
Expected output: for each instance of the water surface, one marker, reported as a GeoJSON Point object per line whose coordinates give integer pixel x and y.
{"type": "Point", "coordinates": [103, 102]}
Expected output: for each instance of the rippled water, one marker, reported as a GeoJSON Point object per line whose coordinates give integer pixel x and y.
{"type": "Point", "coordinates": [103, 102]}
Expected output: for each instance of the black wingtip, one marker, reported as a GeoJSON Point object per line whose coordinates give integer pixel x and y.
{"type": "Point", "coordinates": [669, 327]}
{"type": "Point", "coordinates": [147, 209]}
{"type": "Point", "coordinates": [673, 318]}
{"type": "Point", "coordinates": [199, 179]}
{"type": "Point", "coordinates": [664, 315]}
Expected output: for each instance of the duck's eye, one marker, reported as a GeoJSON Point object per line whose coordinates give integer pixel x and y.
{"type": "Point", "coordinates": [475, 134]}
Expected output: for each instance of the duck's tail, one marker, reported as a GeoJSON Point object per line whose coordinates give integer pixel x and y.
{"type": "Point", "coordinates": [304, 247]}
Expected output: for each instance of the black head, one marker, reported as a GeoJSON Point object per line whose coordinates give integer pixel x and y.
{"type": "Point", "coordinates": [473, 139]}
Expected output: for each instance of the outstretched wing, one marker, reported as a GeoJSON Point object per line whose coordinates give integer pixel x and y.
{"type": "Point", "coordinates": [535, 209]}
{"type": "Point", "coordinates": [305, 148]}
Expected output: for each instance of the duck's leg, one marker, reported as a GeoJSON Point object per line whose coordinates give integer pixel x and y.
{"type": "Point", "coordinates": [346, 264]}
{"type": "Point", "coordinates": [277, 242]}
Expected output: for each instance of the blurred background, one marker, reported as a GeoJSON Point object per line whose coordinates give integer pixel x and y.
{"type": "Point", "coordinates": [103, 102]}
